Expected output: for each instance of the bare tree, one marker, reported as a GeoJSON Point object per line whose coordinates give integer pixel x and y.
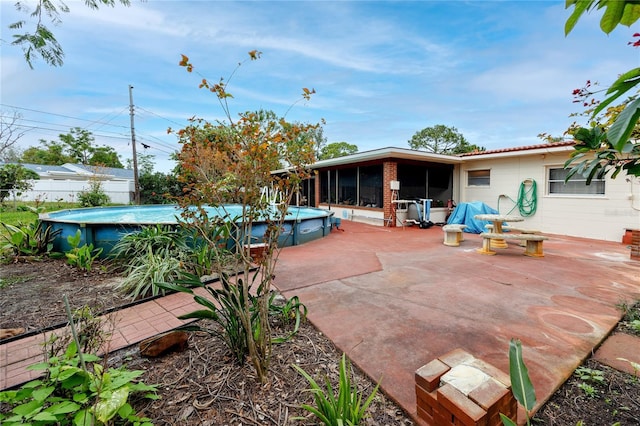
{"type": "Point", "coordinates": [9, 134]}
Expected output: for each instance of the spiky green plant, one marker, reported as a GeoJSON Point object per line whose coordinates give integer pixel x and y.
{"type": "Point", "coordinates": [345, 408]}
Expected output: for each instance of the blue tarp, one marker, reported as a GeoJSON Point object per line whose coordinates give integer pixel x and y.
{"type": "Point", "coordinates": [464, 215]}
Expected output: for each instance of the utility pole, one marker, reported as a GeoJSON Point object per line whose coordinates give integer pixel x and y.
{"type": "Point", "coordinates": [136, 183]}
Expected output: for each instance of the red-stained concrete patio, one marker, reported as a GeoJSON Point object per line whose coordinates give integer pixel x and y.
{"type": "Point", "coordinates": [394, 299]}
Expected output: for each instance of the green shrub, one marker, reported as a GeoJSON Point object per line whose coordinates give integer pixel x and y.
{"type": "Point", "coordinates": [70, 394]}
{"type": "Point", "coordinates": [94, 196]}
{"type": "Point", "coordinates": [15, 178]}
{"type": "Point", "coordinates": [28, 239]}
{"type": "Point", "coordinates": [291, 310]}
{"type": "Point", "coordinates": [147, 269]}
{"type": "Point", "coordinates": [159, 188]}
{"type": "Point", "coordinates": [82, 257]}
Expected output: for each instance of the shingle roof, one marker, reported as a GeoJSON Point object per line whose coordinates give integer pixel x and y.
{"type": "Point", "coordinates": [79, 170]}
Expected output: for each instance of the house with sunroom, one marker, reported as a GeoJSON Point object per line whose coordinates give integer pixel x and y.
{"type": "Point", "coordinates": [370, 187]}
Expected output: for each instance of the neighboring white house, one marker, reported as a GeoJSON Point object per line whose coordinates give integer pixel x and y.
{"type": "Point", "coordinates": [63, 183]}
{"type": "Point", "coordinates": [363, 187]}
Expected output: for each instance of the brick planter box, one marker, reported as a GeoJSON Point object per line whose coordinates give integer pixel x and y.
{"type": "Point", "coordinates": [458, 389]}
{"type": "Point", "coordinates": [635, 244]}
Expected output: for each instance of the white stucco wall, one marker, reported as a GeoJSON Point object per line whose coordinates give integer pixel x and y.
{"type": "Point", "coordinates": [376, 217]}
{"type": "Point", "coordinates": [589, 216]}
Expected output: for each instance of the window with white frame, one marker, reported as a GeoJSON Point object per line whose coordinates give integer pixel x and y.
{"type": "Point", "coordinates": [478, 177]}
{"type": "Point", "coordinates": [577, 185]}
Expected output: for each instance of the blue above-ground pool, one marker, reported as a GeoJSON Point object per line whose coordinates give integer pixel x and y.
{"type": "Point", "coordinates": [104, 226]}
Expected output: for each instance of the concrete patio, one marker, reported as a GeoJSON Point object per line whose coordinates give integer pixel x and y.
{"type": "Point", "coordinates": [394, 299]}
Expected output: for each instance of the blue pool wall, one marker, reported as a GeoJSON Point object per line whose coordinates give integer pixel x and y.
{"type": "Point", "coordinates": [299, 229]}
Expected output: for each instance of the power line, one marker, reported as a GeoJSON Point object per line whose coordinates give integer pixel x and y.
{"type": "Point", "coordinates": [59, 115]}
{"type": "Point", "coordinates": [153, 141]}
{"type": "Point", "coordinates": [159, 116]}
{"type": "Point", "coordinates": [104, 123]}
{"type": "Point", "coordinates": [118, 137]}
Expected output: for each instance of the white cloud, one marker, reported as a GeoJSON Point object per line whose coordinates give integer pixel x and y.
{"type": "Point", "coordinates": [501, 72]}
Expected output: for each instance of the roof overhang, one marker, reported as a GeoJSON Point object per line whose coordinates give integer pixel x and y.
{"type": "Point", "coordinates": [412, 154]}
{"type": "Point", "coordinates": [387, 153]}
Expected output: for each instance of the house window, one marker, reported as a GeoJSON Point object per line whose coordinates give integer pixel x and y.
{"type": "Point", "coordinates": [352, 186]}
{"type": "Point", "coordinates": [370, 186]}
{"type": "Point", "coordinates": [347, 184]}
{"type": "Point", "coordinates": [413, 181]}
{"type": "Point", "coordinates": [426, 181]}
{"type": "Point", "coordinates": [577, 185]}
{"type": "Point", "coordinates": [328, 180]}
{"type": "Point", "coordinates": [478, 177]}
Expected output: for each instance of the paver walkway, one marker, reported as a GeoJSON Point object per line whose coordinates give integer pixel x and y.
{"type": "Point", "coordinates": [394, 299]}
{"type": "Point", "coordinates": [133, 325]}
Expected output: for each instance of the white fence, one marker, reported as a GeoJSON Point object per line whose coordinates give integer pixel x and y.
{"type": "Point", "coordinates": [119, 191]}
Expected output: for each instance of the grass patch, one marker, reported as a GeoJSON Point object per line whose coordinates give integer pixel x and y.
{"type": "Point", "coordinates": [15, 213]}
{"type": "Point", "coordinates": [7, 281]}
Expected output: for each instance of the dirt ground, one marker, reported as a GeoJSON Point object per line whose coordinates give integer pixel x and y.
{"type": "Point", "coordinates": [202, 385]}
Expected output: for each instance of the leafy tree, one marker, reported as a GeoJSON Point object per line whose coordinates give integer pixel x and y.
{"type": "Point", "coordinates": [337, 149]}
{"type": "Point", "coordinates": [231, 162]}
{"type": "Point", "coordinates": [77, 146]}
{"type": "Point", "coordinates": [145, 163]}
{"type": "Point", "coordinates": [319, 139]}
{"type": "Point", "coordinates": [15, 178]}
{"type": "Point", "coordinates": [159, 188]}
{"type": "Point", "coordinates": [610, 142]}
{"type": "Point", "coordinates": [51, 153]}
{"type": "Point", "coordinates": [41, 42]}
{"type": "Point", "coordinates": [441, 139]}
{"type": "Point", "coordinates": [105, 156]}
{"type": "Point", "coordinates": [9, 135]}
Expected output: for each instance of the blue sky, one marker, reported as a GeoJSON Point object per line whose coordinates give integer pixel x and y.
{"type": "Point", "coordinates": [501, 72]}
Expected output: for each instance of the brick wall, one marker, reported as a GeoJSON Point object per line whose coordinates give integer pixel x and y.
{"type": "Point", "coordinates": [317, 190]}
{"type": "Point", "coordinates": [389, 173]}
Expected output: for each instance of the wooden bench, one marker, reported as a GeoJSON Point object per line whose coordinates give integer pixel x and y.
{"type": "Point", "coordinates": [533, 245]}
{"type": "Point", "coordinates": [453, 234]}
